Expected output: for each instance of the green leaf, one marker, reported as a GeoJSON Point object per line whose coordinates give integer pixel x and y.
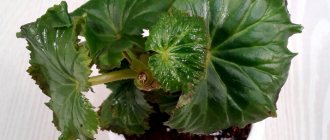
{"type": "Point", "coordinates": [179, 42]}
{"type": "Point", "coordinates": [110, 21]}
{"type": "Point", "coordinates": [247, 66]}
{"type": "Point", "coordinates": [166, 101]}
{"type": "Point", "coordinates": [64, 68]}
{"type": "Point", "coordinates": [36, 73]}
{"type": "Point", "coordinates": [112, 57]}
{"type": "Point", "coordinates": [125, 111]}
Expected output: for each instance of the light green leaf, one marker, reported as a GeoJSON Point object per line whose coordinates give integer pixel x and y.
{"type": "Point", "coordinates": [179, 42]}
{"type": "Point", "coordinates": [108, 21]}
{"type": "Point", "coordinates": [125, 111]}
{"type": "Point", "coordinates": [64, 68]}
{"type": "Point", "coordinates": [247, 67]}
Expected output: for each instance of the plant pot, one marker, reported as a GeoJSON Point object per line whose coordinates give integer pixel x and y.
{"type": "Point", "coordinates": [158, 131]}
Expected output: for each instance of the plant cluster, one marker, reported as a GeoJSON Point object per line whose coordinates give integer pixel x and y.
{"type": "Point", "coordinates": [209, 64]}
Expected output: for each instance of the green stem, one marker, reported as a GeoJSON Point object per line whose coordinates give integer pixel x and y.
{"type": "Point", "coordinates": [113, 76]}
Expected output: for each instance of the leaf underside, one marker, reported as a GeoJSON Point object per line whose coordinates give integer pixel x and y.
{"type": "Point", "coordinates": [58, 63]}
{"type": "Point", "coordinates": [247, 65]}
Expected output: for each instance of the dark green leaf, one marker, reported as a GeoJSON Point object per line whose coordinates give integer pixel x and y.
{"type": "Point", "coordinates": [57, 16]}
{"type": "Point", "coordinates": [111, 57]}
{"type": "Point", "coordinates": [125, 111]}
{"type": "Point", "coordinates": [248, 63]}
{"type": "Point", "coordinates": [179, 42]}
{"type": "Point", "coordinates": [166, 101]}
{"type": "Point", "coordinates": [64, 68]}
{"type": "Point", "coordinates": [108, 21]}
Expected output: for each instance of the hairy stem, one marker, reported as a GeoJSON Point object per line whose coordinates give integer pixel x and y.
{"type": "Point", "coordinates": [113, 76]}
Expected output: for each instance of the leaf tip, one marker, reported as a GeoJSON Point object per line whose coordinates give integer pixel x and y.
{"type": "Point", "coordinates": [19, 35]}
{"type": "Point", "coordinates": [297, 28]}
{"type": "Point", "coordinates": [272, 114]}
{"type": "Point", "coordinates": [294, 54]}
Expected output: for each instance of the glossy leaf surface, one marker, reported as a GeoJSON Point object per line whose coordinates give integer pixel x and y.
{"type": "Point", "coordinates": [58, 62]}
{"type": "Point", "coordinates": [179, 42]}
{"type": "Point", "coordinates": [114, 25]}
{"type": "Point", "coordinates": [247, 65]}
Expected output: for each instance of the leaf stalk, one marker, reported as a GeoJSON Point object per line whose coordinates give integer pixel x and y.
{"type": "Point", "coordinates": [112, 76]}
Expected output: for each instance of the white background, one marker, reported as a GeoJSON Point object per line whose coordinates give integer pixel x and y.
{"type": "Point", "coordinates": [303, 106]}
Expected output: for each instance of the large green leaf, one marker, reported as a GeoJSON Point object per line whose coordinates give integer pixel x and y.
{"type": "Point", "coordinates": [125, 111]}
{"type": "Point", "coordinates": [58, 63]}
{"type": "Point", "coordinates": [247, 65]}
{"type": "Point", "coordinates": [179, 42]}
{"type": "Point", "coordinates": [111, 21]}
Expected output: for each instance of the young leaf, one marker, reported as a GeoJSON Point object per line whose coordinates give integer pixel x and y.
{"type": "Point", "coordinates": [179, 42]}
{"type": "Point", "coordinates": [125, 111]}
{"type": "Point", "coordinates": [247, 65]}
{"type": "Point", "coordinates": [64, 67]}
{"type": "Point", "coordinates": [110, 21]}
